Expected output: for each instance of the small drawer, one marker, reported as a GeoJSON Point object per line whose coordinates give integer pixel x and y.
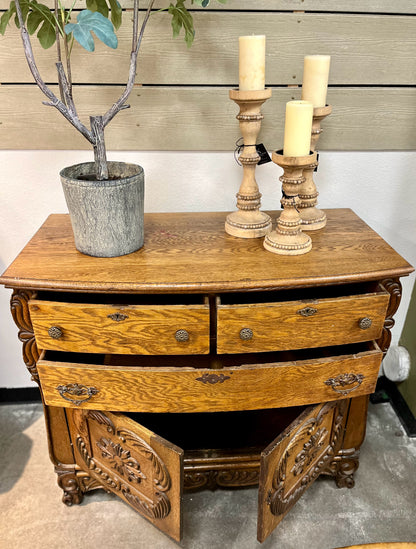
{"type": "Point", "coordinates": [129, 329]}
{"type": "Point", "coordinates": [282, 380]}
{"type": "Point", "coordinates": [299, 324]}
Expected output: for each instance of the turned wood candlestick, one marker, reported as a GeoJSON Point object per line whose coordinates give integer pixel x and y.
{"type": "Point", "coordinates": [288, 238]}
{"type": "Point", "coordinates": [312, 218]}
{"type": "Point", "coordinates": [249, 221]}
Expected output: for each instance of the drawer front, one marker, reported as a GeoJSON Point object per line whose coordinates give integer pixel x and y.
{"type": "Point", "coordinates": [135, 329]}
{"type": "Point", "coordinates": [299, 324]}
{"type": "Point", "coordinates": [184, 389]}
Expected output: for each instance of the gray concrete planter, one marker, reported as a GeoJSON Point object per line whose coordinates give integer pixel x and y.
{"type": "Point", "coordinates": [106, 216]}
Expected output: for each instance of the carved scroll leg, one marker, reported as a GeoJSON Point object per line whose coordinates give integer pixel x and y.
{"type": "Point", "coordinates": [71, 485]}
{"type": "Point", "coordinates": [345, 464]}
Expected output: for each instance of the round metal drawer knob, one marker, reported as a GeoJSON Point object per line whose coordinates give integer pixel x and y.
{"type": "Point", "coordinates": [365, 323]}
{"type": "Point", "coordinates": [55, 332]}
{"type": "Point", "coordinates": [182, 335]}
{"type": "Point", "coordinates": [246, 333]}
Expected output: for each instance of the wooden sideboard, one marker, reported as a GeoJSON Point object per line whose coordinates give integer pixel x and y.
{"type": "Point", "coordinates": [204, 361]}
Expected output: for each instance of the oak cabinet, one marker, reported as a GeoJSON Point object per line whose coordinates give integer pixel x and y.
{"type": "Point", "coordinates": [204, 361]}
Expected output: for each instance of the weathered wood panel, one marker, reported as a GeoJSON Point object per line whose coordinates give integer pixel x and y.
{"type": "Point", "coordinates": [365, 50]}
{"type": "Point", "coordinates": [356, 6]}
{"type": "Point", "coordinates": [204, 119]}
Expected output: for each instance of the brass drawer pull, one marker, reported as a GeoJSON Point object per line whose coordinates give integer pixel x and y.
{"type": "Point", "coordinates": [213, 378]}
{"type": "Point", "coordinates": [344, 380]}
{"type": "Point", "coordinates": [182, 335]}
{"type": "Point", "coordinates": [76, 390]}
{"type": "Point", "coordinates": [365, 323]}
{"type": "Point", "coordinates": [246, 334]}
{"type": "Point", "coordinates": [55, 332]}
{"type": "Point", "coordinates": [307, 311]}
{"type": "Point", "coordinates": [117, 317]}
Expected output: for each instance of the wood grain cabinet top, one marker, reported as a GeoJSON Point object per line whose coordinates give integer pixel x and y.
{"type": "Point", "coordinates": [190, 252]}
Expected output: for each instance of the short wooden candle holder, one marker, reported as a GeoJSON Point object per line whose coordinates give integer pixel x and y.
{"type": "Point", "coordinates": [288, 239]}
{"type": "Point", "coordinates": [312, 218]}
{"type": "Point", "coordinates": [249, 221]}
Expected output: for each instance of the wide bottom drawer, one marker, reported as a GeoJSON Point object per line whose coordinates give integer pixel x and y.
{"type": "Point", "coordinates": [279, 380]}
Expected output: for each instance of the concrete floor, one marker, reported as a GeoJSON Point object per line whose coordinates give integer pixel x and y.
{"type": "Point", "coordinates": [381, 507]}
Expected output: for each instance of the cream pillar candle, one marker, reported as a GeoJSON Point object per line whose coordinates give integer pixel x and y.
{"type": "Point", "coordinates": [252, 62]}
{"type": "Point", "coordinates": [298, 128]}
{"type": "Point", "coordinates": [315, 79]}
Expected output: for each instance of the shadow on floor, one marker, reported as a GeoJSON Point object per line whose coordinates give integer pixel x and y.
{"type": "Point", "coordinates": [16, 446]}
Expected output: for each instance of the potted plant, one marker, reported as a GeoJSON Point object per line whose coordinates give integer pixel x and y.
{"type": "Point", "coordinates": [105, 199]}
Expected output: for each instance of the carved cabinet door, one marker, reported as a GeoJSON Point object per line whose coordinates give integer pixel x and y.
{"type": "Point", "coordinates": [291, 463]}
{"type": "Point", "coordinates": [127, 459]}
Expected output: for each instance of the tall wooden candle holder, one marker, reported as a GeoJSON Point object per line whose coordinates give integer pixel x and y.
{"type": "Point", "coordinates": [288, 239]}
{"type": "Point", "coordinates": [249, 221]}
{"type": "Point", "coordinates": [312, 218]}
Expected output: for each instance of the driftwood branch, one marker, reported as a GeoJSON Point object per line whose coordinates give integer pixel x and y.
{"type": "Point", "coordinates": [100, 155]}
{"type": "Point", "coordinates": [118, 105]}
{"type": "Point", "coordinates": [66, 89]}
{"type": "Point", "coordinates": [68, 66]}
{"type": "Point", "coordinates": [53, 100]}
{"type": "Point", "coordinates": [58, 46]}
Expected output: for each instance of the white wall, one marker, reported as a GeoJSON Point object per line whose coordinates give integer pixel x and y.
{"type": "Point", "coordinates": [378, 186]}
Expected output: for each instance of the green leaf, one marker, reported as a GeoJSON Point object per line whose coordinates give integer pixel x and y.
{"type": "Point", "coordinates": [34, 19]}
{"type": "Point", "coordinates": [104, 6]}
{"type": "Point", "coordinates": [34, 15]}
{"type": "Point", "coordinates": [5, 18]}
{"type": "Point", "coordinates": [98, 5]}
{"type": "Point", "coordinates": [91, 5]}
{"type": "Point", "coordinates": [88, 22]}
{"type": "Point", "coordinates": [116, 13]}
{"type": "Point", "coordinates": [181, 18]}
{"type": "Point", "coordinates": [46, 35]}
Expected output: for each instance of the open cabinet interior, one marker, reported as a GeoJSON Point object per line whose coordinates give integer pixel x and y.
{"type": "Point", "coordinates": [148, 459]}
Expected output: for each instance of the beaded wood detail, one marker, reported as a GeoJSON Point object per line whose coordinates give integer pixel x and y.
{"type": "Point", "coordinates": [249, 221]}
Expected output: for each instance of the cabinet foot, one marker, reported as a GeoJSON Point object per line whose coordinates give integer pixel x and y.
{"type": "Point", "coordinates": [71, 486]}
{"type": "Point", "coordinates": [343, 467]}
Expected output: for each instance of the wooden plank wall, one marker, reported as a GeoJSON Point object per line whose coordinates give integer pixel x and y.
{"type": "Point", "coordinates": [180, 101]}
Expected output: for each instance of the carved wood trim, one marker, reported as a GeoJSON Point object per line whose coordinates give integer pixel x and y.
{"type": "Point", "coordinates": [20, 312]}
{"type": "Point", "coordinates": [223, 478]}
{"type": "Point", "coordinates": [87, 482]}
{"type": "Point", "coordinates": [313, 448]}
{"type": "Point", "coordinates": [394, 287]}
{"type": "Point", "coordinates": [124, 468]}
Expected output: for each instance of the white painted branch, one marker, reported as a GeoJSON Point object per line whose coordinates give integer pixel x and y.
{"type": "Point", "coordinates": [117, 106]}
{"type": "Point", "coordinates": [54, 101]}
